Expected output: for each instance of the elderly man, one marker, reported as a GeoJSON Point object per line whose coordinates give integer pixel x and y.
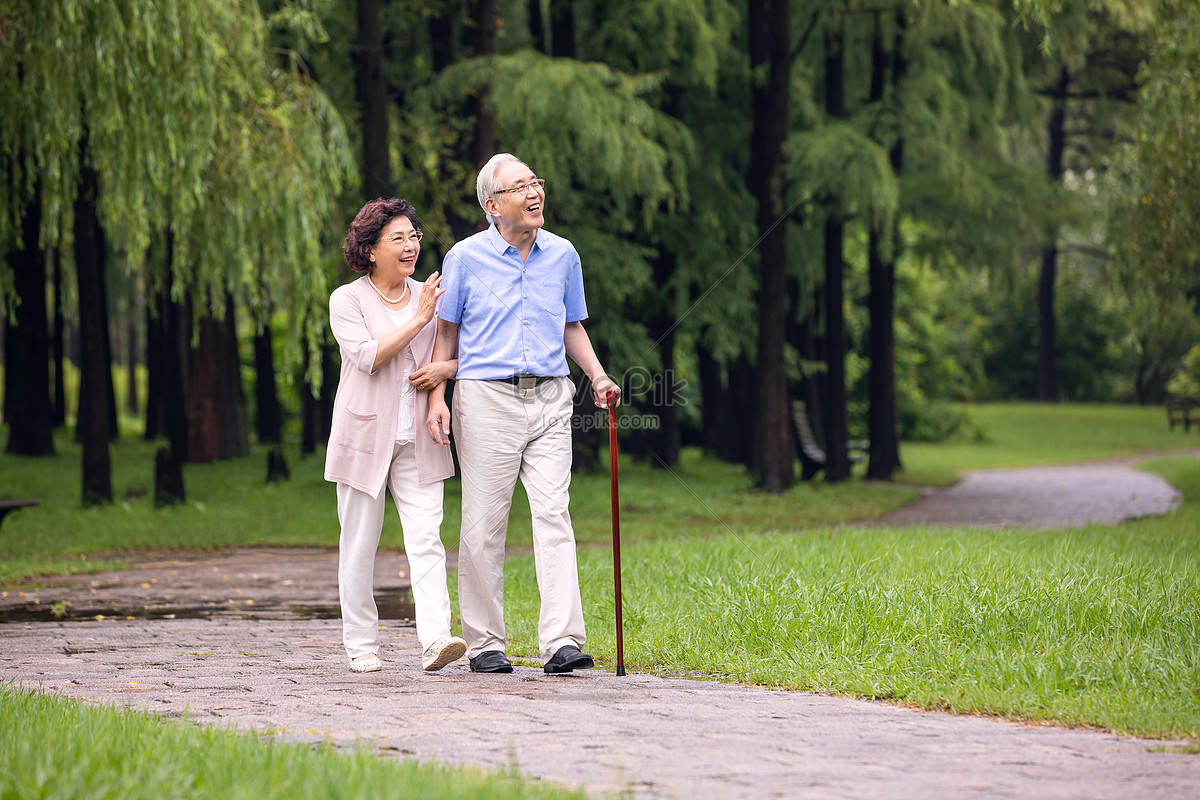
{"type": "Point", "coordinates": [513, 310]}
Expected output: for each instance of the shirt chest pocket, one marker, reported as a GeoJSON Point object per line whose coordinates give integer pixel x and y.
{"type": "Point", "coordinates": [552, 299]}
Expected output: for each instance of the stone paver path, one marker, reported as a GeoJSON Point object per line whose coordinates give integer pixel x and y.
{"type": "Point", "coordinates": [642, 735]}
{"type": "Point", "coordinates": [244, 639]}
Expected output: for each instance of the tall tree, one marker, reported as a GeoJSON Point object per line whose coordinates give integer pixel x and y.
{"type": "Point", "coordinates": [837, 462]}
{"type": "Point", "coordinates": [371, 86]}
{"type": "Point", "coordinates": [27, 407]}
{"type": "Point", "coordinates": [1087, 77]}
{"type": "Point", "coordinates": [58, 348]}
{"type": "Point", "coordinates": [770, 62]}
{"type": "Point", "coordinates": [888, 65]}
{"type": "Point", "coordinates": [93, 384]}
{"type": "Point", "coordinates": [268, 412]}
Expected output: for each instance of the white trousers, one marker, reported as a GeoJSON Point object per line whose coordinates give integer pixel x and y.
{"type": "Point", "coordinates": [361, 517]}
{"type": "Point", "coordinates": [503, 433]}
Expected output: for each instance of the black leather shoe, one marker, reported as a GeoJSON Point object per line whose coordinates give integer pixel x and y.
{"type": "Point", "coordinates": [491, 661]}
{"type": "Point", "coordinates": [566, 659]}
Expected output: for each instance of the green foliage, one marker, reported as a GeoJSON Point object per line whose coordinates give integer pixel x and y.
{"type": "Point", "coordinates": [1185, 382]}
{"type": "Point", "coordinates": [1094, 361]}
{"type": "Point", "coordinates": [194, 126]}
{"type": "Point", "coordinates": [837, 160]}
{"type": "Point", "coordinates": [584, 123]}
{"type": "Point", "coordinates": [1155, 222]}
{"type": "Point", "coordinates": [69, 750]}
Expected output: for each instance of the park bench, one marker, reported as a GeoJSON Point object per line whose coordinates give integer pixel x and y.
{"type": "Point", "coordinates": [812, 455]}
{"type": "Point", "coordinates": [1181, 410]}
{"type": "Point", "coordinates": [12, 505]}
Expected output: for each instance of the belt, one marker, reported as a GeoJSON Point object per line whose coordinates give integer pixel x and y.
{"type": "Point", "coordinates": [526, 381]}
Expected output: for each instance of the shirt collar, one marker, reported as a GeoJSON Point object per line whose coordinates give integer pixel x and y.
{"type": "Point", "coordinates": [501, 245]}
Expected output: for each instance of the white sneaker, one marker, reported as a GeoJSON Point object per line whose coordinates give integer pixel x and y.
{"type": "Point", "coordinates": [442, 652]}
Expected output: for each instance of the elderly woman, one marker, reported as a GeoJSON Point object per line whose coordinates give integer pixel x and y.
{"type": "Point", "coordinates": [384, 329]}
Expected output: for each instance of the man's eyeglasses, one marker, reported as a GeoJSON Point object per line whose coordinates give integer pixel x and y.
{"type": "Point", "coordinates": [401, 238]}
{"type": "Point", "coordinates": [540, 183]}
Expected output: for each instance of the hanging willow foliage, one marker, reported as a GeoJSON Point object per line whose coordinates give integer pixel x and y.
{"type": "Point", "coordinates": [194, 126]}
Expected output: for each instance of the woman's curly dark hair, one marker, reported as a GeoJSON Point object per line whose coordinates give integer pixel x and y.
{"type": "Point", "coordinates": [368, 224]}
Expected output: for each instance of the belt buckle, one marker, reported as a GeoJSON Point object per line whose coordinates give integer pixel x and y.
{"type": "Point", "coordinates": [525, 382]}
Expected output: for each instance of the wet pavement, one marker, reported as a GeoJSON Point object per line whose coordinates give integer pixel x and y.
{"type": "Point", "coordinates": [245, 639]}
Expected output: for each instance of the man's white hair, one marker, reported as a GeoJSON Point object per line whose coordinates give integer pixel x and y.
{"type": "Point", "coordinates": [486, 184]}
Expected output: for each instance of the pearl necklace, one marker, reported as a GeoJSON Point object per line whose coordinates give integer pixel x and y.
{"type": "Point", "coordinates": [385, 298]}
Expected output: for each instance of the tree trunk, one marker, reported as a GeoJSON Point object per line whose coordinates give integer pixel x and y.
{"type": "Point", "coordinates": [441, 36]}
{"type": "Point", "coordinates": [837, 463]}
{"type": "Point", "coordinates": [483, 43]}
{"type": "Point", "coordinates": [667, 438]}
{"type": "Point", "coordinates": [92, 420]}
{"type": "Point", "coordinates": [177, 330]}
{"type": "Point", "coordinates": [155, 404]}
{"type": "Point", "coordinates": [268, 415]}
{"type": "Point", "coordinates": [371, 88]}
{"type": "Point", "coordinates": [1047, 349]}
{"type": "Point", "coordinates": [57, 344]}
{"type": "Point", "coordinates": [131, 353]}
{"type": "Point", "coordinates": [712, 398]}
{"type": "Point", "coordinates": [110, 387]}
{"type": "Point", "coordinates": [168, 479]}
{"type": "Point", "coordinates": [882, 419]}
{"type": "Point", "coordinates": [330, 376]}
{"type": "Point", "coordinates": [739, 425]}
{"type": "Point", "coordinates": [216, 402]}
{"type": "Point", "coordinates": [562, 28]}
{"type": "Point", "coordinates": [27, 408]}
{"type": "Point", "coordinates": [770, 46]}
{"type": "Point", "coordinates": [168, 331]}
{"type": "Point", "coordinates": [537, 27]}
{"type": "Point", "coordinates": [308, 404]}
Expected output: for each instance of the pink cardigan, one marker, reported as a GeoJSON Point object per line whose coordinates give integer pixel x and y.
{"type": "Point", "coordinates": [367, 403]}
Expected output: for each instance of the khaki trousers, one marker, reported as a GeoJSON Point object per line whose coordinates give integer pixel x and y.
{"type": "Point", "coordinates": [503, 433]}
{"type": "Point", "coordinates": [361, 517]}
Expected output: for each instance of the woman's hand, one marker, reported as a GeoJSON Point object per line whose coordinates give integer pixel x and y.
{"type": "Point", "coordinates": [430, 292]}
{"type": "Point", "coordinates": [433, 374]}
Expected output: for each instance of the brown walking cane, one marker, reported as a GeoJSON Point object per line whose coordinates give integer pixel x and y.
{"type": "Point", "coordinates": [616, 521]}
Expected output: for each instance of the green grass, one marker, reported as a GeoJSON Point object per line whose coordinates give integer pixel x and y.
{"type": "Point", "coordinates": [57, 748]}
{"type": "Point", "coordinates": [1095, 626]}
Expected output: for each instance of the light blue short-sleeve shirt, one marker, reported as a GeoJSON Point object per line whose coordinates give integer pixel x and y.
{"type": "Point", "coordinates": [511, 315]}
